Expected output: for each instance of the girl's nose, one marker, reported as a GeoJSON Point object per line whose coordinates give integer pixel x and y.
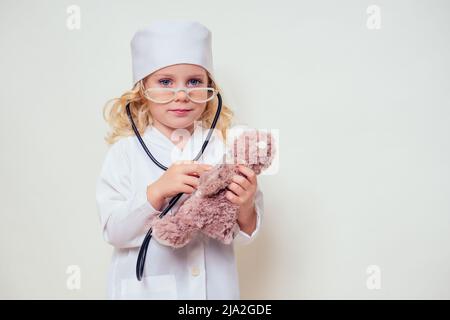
{"type": "Point", "coordinates": [181, 95]}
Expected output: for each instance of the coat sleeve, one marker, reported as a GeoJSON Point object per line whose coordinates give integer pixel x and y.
{"type": "Point", "coordinates": [242, 238]}
{"type": "Point", "coordinates": [125, 216]}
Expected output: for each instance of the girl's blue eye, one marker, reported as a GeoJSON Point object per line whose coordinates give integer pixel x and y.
{"type": "Point", "coordinates": [197, 81]}
{"type": "Point", "coordinates": [194, 82]}
{"type": "Point", "coordinates": [164, 82]}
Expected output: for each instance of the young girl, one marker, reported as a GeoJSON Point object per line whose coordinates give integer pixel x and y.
{"type": "Point", "coordinates": [131, 190]}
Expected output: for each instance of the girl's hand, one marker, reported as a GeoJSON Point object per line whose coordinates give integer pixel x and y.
{"type": "Point", "coordinates": [241, 191]}
{"type": "Point", "coordinates": [182, 176]}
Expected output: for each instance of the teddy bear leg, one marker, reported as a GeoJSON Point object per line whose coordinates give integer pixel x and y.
{"type": "Point", "coordinates": [170, 232]}
{"type": "Point", "coordinates": [222, 218]}
{"type": "Point", "coordinates": [222, 231]}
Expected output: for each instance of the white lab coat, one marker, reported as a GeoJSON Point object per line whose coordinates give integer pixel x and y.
{"type": "Point", "coordinates": [204, 268]}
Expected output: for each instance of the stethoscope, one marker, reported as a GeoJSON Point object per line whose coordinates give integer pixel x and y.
{"type": "Point", "coordinates": [143, 250]}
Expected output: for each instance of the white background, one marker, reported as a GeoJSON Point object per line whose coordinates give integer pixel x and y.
{"type": "Point", "coordinates": [363, 114]}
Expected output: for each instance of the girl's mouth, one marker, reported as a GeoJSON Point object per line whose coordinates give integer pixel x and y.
{"type": "Point", "coordinates": [180, 112]}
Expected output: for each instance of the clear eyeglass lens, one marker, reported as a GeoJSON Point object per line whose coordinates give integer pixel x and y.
{"type": "Point", "coordinates": [201, 94]}
{"type": "Point", "coordinates": [196, 95]}
{"type": "Point", "coordinates": [160, 95]}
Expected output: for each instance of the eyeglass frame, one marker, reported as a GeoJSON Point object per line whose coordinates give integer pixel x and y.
{"type": "Point", "coordinates": [175, 91]}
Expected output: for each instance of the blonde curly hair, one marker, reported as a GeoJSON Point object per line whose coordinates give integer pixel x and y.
{"type": "Point", "coordinates": [115, 114]}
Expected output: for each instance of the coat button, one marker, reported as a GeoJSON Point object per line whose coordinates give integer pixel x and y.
{"type": "Point", "coordinates": [195, 271]}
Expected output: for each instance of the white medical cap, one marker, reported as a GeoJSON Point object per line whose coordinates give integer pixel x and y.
{"type": "Point", "coordinates": [168, 42]}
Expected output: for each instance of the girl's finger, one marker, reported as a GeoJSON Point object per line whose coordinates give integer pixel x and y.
{"type": "Point", "coordinates": [195, 168]}
{"type": "Point", "coordinates": [232, 197]}
{"type": "Point", "coordinates": [242, 181]}
{"type": "Point", "coordinates": [237, 189]}
{"type": "Point", "coordinates": [187, 189]}
{"type": "Point", "coordinates": [191, 181]}
{"type": "Point", "coordinates": [249, 173]}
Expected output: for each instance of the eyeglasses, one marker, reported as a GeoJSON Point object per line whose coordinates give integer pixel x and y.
{"type": "Point", "coordinates": [165, 95]}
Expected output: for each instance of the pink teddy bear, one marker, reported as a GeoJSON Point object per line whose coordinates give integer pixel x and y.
{"type": "Point", "coordinates": [207, 210]}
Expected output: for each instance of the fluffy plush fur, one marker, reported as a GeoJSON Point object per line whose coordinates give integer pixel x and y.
{"type": "Point", "coordinates": [207, 210]}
